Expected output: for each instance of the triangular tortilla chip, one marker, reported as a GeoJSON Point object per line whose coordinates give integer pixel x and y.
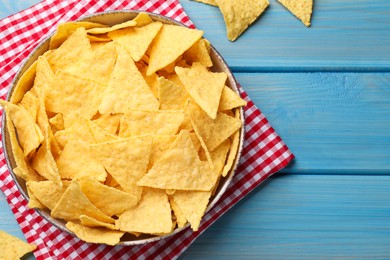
{"type": "Point", "coordinates": [87, 221]}
{"type": "Point", "coordinates": [302, 9]}
{"type": "Point", "coordinates": [171, 42]}
{"type": "Point", "coordinates": [180, 218]}
{"type": "Point", "coordinates": [230, 100]}
{"type": "Point", "coordinates": [159, 122]}
{"type": "Point", "coordinates": [109, 200]}
{"type": "Point", "coordinates": [47, 192]}
{"type": "Point", "coordinates": [25, 82]}
{"type": "Point", "coordinates": [130, 23]}
{"type": "Point", "coordinates": [235, 140]}
{"type": "Point", "coordinates": [30, 103]}
{"type": "Point", "coordinates": [115, 156]}
{"type": "Point", "coordinates": [193, 205]}
{"type": "Point", "coordinates": [204, 86]}
{"type": "Point", "coordinates": [179, 168]}
{"type": "Point", "coordinates": [97, 66]}
{"type": "Point", "coordinates": [127, 88]}
{"type": "Point", "coordinates": [142, 218]}
{"type": "Point", "coordinates": [161, 144]}
{"type": "Point", "coordinates": [12, 247]}
{"type": "Point", "coordinates": [108, 122]}
{"type": "Point", "coordinates": [136, 40]}
{"type": "Point", "coordinates": [171, 95]}
{"type": "Point", "coordinates": [199, 52]}
{"type": "Point", "coordinates": [95, 235]}
{"type": "Point", "coordinates": [74, 203]}
{"type": "Point", "coordinates": [239, 14]}
{"type": "Point", "coordinates": [213, 132]}
{"type": "Point", "coordinates": [100, 135]}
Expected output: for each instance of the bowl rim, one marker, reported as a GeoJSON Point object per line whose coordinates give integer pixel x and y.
{"type": "Point", "coordinates": [233, 84]}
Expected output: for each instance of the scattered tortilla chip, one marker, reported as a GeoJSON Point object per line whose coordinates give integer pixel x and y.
{"type": "Point", "coordinates": [127, 88]}
{"type": "Point", "coordinates": [230, 100]}
{"type": "Point", "coordinates": [136, 40]}
{"type": "Point", "coordinates": [199, 52]}
{"type": "Point", "coordinates": [115, 156]}
{"type": "Point", "coordinates": [47, 192]}
{"type": "Point", "coordinates": [239, 14]}
{"type": "Point", "coordinates": [12, 247]}
{"type": "Point", "coordinates": [64, 30]}
{"type": "Point", "coordinates": [204, 86]}
{"type": "Point", "coordinates": [171, 42]}
{"type": "Point", "coordinates": [74, 203]}
{"type": "Point", "coordinates": [179, 168]}
{"type": "Point", "coordinates": [160, 122]}
{"type": "Point", "coordinates": [302, 9]}
{"type": "Point", "coordinates": [193, 205]}
{"type": "Point", "coordinates": [109, 200]}
{"type": "Point", "coordinates": [142, 218]}
{"type": "Point", "coordinates": [95, 235]}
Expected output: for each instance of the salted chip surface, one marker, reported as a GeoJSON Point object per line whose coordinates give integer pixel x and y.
{"type": "Point", "coordinates": [239, 14]}
{"type": "Point", "coordinates": [116, 155]}
{"type": "Point", "coordinates": [95, 235]}
{"type": "Point", "coordinates": [136, 40]}
{"type": "Point", "coordinates": [171, 96]}
{"type": "Point", "coordinates": [302, 9]}
{"type": "Point", "coordinates": [153, 206]}
{"type": "Point", "coordinates": [127, 89]}
{"type": "Point", "coordinates": [47, 192]}
{"type": "Point", "coordinates": [12, 247]}
{"type": "Point", "coordinates": [204, 86]}
{"type": "Point", "coordinates": [74, 203]}
{"type": "Point", "coordinates": [109, 200]}
{"type": "Point", "coordinates": [230, 100]}
{"type": "Point", "coordinates": [171, 42]}
{"type": "Point", "coordinates": [179, 168]}
{"type": "Point", "coordinates": [199, 52]}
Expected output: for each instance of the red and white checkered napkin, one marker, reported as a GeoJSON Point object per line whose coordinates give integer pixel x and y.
{"type": "Point", "coordinates": [264, 152]}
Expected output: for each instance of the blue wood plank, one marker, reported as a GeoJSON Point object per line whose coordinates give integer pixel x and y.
{"type": "Point", "coordinates": [304, 217]}
{"type": "Point", "coordinates": [335, 123]}
{"type": "Point", "coordinates": [345, 35]}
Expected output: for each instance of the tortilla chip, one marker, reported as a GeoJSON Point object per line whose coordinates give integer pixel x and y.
{"type": "Point", "coordinates": [95, 235]}
{"type": "Point", "coordinates": [30, 103]}
{"type": "Point", "coordinates": [171, 96]}
{"type": "Point", "coordinates": [33, 202]}
{"type": "Point", "coordinates": [204, 86]}
{"type": "Point", "coordinates": [87, 221]}
{"type": "Point", "coordinates": [74, 203]}
{"type": "Point", "coordinates": [233, 150]}
{"type": "Point", "coordinates": [218, 158]}
{"type": "Point", "coordinates": [109, 200]}
{"type": "Point", "coordinates": [151, 215]}
{"type": "Point", "coordinates": [136, 40]}
{"type": "Point", "coordinates": [108, 122]}
{"type": "Point", "coordinates": [47, 192]}
{"type": "Point", "coordinates": [130, 23]}
{"type": "Point", "coordinates": [230, 100]}
{"type": "Point", "coordinates": [125, 160]}
{"type": "Point", "coordinates": [239, 14]}
{"type": "Point", "coordinates": [159, 122]}
{"type": "Point", "coordinates": [142, 19]}
{"type": "Point", "coordinates": [57, 121]}
{"type": "Point", "coordinates": [171, 42]}
{"type": "Point", "coordinates": [199, 52]}
{"type": "Point", "coordinates": [25, 82]}
{"type": "Point", "coordinates": [302, 9]}
{"type": "Point", "coordinates": [127, 88]}
{"type": "Point", "coordinates": [100, 135]}
{"type": "Point", "coordinates": [64, 30]}
{"type": "Point", "coordinates": [180, 218]}
{"type": "Point", "coordinates": [161, 144]}
{"type": "Point", "coordinates": [12, 247]}
{"type": "Point", "coordinates": [179, 168]}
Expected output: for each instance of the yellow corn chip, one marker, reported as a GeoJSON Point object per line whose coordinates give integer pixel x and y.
{"type": "Point", "coordinates": [171, 96]}
{"type": "Point", "coordinates": [230, 100]}
{"type": "Point", "coordinates": [96, 66]}
{"type": "Point", "coordinates": [142, 19]}
{"type": "Point", "coordinates": [30, 103]}
{"type": "Point", "coordinates": [204, 86]}
{"type": "Point", "coordinates": [152, 81]}
{"type": "Point", "coordinates": [99, 38]}
{"type": "Point", "coordinates": [109, 122]}
{"type": "Point", "coordinates": [218, 157]}
{"type": "Point", "coordinates": [76, 46]}
{"type": "Point", "coordinates": [28, 133]}
{"type": "Point", "coordinates": [95, 235]}
{"type": "Point", "coordinates": [233, 150]}
{"type": "Point", "coordinates": [239, 14]}
{"type": "Point", "coordinates": [87, 221]}
{"type": "Point", "coordinates": [57, 121]}
{"type": "Point", "coordinates": [109, 200]}
{"type": "Point", "coordinates": [171, 42]}
{"type": "Point", "coordinates": [153, 206]}
{"type": "Point", "coordinates": [76, 161]}
{"type": "Point", "coordinates": [12, 247]}
{"type": "Point", "coordinates": [115, 156]}
{"type": "Point", "coordinates": [302, 9]}
{"type": "Point", "coordinates": [199, 52]}
{"type": "Point", "coordinates": [161, 144]}
{"type": "Point", "coordinates": [100, 135]}
{"type": "Point", "coordinates": [74, 203]}
{"type": "Point", "coordinates": [127, 88]}
{"type": "Point", "coordinates": [193, 205]}
{"type": "Point", "coordinates": [64, 30]}
{"type": "Point", "coordinates": [160, 122]}
{"type": "Point", "coordinates": [213, 132]}
{"type": "Point", "coordinates": [25, 83]}
{"type": "Point", "coordinates": [180, 218]}
{"type": "Point", "coordinates": [47, 192]}
{"type": "Point", "coordinates": [130, 23]}
{"type": "Point", "coordinates": [179, 168]}
{"type": "Point", "coordinates": [33, 202]}
{"type": "Point", "coordinates": [136, 40]}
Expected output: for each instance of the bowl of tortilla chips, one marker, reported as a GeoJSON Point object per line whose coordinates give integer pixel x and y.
{"type": "Point", "coordinates": [123, 127]}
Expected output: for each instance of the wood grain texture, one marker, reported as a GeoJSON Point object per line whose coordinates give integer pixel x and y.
{"type": "Point", "coordinates": [335, 123]}
{"type": "Point", "coordinates": [345, 35]}
{"type": "Point", "coordinates": [304, 217]}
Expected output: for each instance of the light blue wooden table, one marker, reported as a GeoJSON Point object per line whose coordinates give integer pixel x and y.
{"type": "Point", "coordinates": [326, 90]}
